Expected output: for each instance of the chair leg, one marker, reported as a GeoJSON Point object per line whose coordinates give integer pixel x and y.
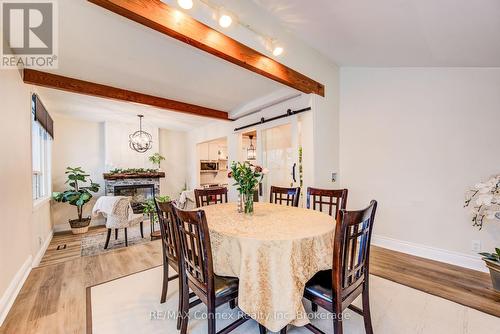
{"type": "Point", "coordinates": [164, 289]}
{"type": "Point", "coordinates": [337, 325]}
{"type": "Point", "coordinates": [185, 307]}
{"type": "Point", "coordinates": [232, 304]}
{"type": "Point", "coordinates": [314, 307]}
{"type": "Point", "coordinates": [211, 319]}
{"type": "Point", "coordinates": [181, 300]}
{"type": "Point", "coordinates": [367, 317]}
{"type": "Point", "coordinates": [107, 239]}
{"type": "Point", "coordinates": [116, 233]}
{"type": "Point", "coordinates": [262, 329]}
{"type": "Point", "coordinates": [126, 238]}
{"type": "Point", "coordinates": [142, 229]}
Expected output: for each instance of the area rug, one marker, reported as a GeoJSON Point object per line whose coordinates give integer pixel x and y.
{"type": "Point", "coordinates": [131, 304]}
{"type": "Point", "coordinates": [94, 244]}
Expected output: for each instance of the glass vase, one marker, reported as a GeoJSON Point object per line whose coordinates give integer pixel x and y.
{"type": "Point", "coordinates": [248, 203]}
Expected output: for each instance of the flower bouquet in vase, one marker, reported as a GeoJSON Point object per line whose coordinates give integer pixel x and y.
{"type": "Point", "coordinates": [247, 177]}
{"type": "Point", "coordinates": [484, 201]}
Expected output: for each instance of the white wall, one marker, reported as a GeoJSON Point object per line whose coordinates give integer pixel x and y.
{"type": "Point", "coordinates": [77, 143]}
{"type": "Point", "coordinates": [118, 153]}
{"type": "Point", "coordinates": [81, 143]}
{"type": "Point", "coordinates": [24, 229]}
{"type": "Point", "coordinates": [415, 139]}
{"type": "Point", "coordinates": [173, 148]}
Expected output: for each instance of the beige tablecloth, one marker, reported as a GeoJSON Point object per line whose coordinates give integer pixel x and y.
{"type": "Point", "coordinates": [273, 252]}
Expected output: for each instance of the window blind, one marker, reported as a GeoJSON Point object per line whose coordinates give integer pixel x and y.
{"type": "Point", "coordinates": [42, 116]}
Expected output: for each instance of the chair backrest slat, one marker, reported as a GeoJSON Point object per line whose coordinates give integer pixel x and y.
{"type": "Point", "coordinates": [168, 230]}
{"type": "Point", "coordinates": [210, 196]}
{"type": "Point", "coordinates": [333, 199]}
{"type": "Point", "coordinates": [287, 196]}
{"type": "Point", "coordinates": [196, 251]}
{"type": "Point", "coordinates": [352, 250]}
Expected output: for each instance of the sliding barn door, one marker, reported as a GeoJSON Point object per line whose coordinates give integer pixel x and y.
{"type": "Point", "coordinates": [280, 150]}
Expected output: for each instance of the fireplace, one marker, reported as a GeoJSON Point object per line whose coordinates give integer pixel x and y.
{"type": "Point", "coordinates": [140, 193]}
{"type": "Point", "coordinates": [140, 187]}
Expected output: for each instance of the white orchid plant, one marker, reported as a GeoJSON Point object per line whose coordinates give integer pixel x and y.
{"type": "Point", "coordinates": [484, 201]}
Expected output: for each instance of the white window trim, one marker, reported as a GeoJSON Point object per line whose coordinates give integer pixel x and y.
{"type": "Point", "coordinates": [38, 203]}
{"type": "Point", "coordinates": [45, 169]}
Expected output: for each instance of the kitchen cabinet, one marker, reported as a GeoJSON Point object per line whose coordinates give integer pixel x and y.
{"type": "Point", "coordinates": [213, 151]}
{"type": "Point", "coordinates": [203, 151]}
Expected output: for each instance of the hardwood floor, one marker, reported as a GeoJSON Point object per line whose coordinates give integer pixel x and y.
{"type": "Point", "coordinates": [463, 286]}
{"type": "Point", "coordinates": [66, 246]}
{"type": "Point", "coordinates": [53, 299]}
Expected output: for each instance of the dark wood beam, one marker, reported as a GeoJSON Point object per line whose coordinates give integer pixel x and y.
{"type": "Point", "coordinates": [169, 21]}
{"type": "Point", "coordinates": [55, 81]}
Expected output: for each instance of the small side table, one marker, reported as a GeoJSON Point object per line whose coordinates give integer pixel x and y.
{"type": "Point", "coordinates": [154, 233]}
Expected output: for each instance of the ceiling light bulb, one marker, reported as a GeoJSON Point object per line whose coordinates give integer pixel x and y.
{"type": "Point", "coordinates": [278, 50]}
{"type": "Point", "coordinates": [225, 20]}
{"type": "Point", "coordinates": [185, 4]}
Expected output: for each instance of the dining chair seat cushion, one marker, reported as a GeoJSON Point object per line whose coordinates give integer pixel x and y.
{"type": "Point", "coordinates": [320, 286]}
{"type": "Point", "coordinates": [225, 286]}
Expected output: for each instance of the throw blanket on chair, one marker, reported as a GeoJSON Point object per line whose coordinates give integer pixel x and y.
{"type": "Point", "coordinates": [106, 205]}
{"type": "Point", "coordinates": [117, 211]}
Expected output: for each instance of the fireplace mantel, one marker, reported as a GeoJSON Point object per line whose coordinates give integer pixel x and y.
{"type": "Point", "coordinates": [119, 176]}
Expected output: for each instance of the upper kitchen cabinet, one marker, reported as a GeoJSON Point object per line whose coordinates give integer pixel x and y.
{"type": "Point", "coordinates": [213, 151]}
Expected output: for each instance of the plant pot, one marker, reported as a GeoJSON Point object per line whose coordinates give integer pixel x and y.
{"type": "Point", "coordinates": [494, 268]}
{"type": "Point", "coordinates": [79, 226]}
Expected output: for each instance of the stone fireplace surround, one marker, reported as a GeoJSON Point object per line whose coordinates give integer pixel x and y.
{"type": "Point", "coordinates": [112, 181]}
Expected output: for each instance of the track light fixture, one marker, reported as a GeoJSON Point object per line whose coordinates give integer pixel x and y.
{"type": "Point", "coordinates": [225, 19]}
{"type": "Point", "coordinates": [185, 4]}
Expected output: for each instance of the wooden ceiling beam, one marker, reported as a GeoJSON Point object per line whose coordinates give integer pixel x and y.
{"type": "Point", "coordinates": [67, 84]}
{"type": "Point", "coordinates": [176, 24]}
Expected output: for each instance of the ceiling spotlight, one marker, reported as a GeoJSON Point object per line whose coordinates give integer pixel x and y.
{"type": "Point", "coordinates": [225, 18]}
{"type": "Point", "coordinates": [278, 50]}
{"type": "Point", "coordinates": [185, 4]}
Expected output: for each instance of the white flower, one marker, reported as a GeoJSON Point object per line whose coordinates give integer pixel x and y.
{"type": "Point", "coordinates": [265, 171]}
{"type": "Point", "coordinates": [484, 199]}
{"type": "Point", "coordinates": [490, 214]}
{"type": "Point", "coordinates": [480, 185]}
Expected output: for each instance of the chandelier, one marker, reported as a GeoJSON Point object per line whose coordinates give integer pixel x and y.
{"type": "Point", "coordinates": [140, 141]}
{"type": "Point", "coordinates": [251, 150]}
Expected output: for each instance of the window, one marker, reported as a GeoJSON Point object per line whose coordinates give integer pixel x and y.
{"type": "Point", "coordinates": [41, 149]}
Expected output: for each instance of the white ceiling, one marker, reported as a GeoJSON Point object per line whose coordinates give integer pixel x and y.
{"type": "Point", "coordinates": [396, 32]}
{"type": "Point", "coordinates": [96, 109]}
{"type": "Point", "coordinates": [99, 46]}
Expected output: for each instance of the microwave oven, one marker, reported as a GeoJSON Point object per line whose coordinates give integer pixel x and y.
{"type": "Point", "coordinates": [209, 166]}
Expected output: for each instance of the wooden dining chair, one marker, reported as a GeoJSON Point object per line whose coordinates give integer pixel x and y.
{"type": "Point", "coordinates": [197, 263]}
{"type": "Point", "coordinates": [335, 289]}
{"type": "Point", "coordinates": [327, 200]}
{"type": "Point", "coordinates": [170, 250]}
{"type": "Point", "coordinates": [210, 196]}
{"type": "Point", "coordinates": [287, 196]}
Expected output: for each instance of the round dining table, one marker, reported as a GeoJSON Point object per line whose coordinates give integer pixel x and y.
{"type": "Point", "coordinates": [273, 252]}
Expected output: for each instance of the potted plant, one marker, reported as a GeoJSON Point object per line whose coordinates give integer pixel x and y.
{"type": "Point", "coordinates": [149, 208]}
{"type": "Point", "coordinates": [156, 159]}
{"type": "Point", "coordinates": [78, 195]}
{"type": "Point", "coordinates": [493, 263]}
{"type": "Point", "coordinates": [484, 201]}
{"type": "Point", "coordinates": [247, 177]}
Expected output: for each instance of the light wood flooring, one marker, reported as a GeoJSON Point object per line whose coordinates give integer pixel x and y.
{"type": "Point", "coordinates": [53, 299]}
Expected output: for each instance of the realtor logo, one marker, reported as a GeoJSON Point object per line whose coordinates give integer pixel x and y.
{"type": "Point", "coordinates": [29, 34]}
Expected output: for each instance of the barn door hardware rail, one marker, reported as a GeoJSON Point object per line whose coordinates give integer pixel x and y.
{"type": "Point", "coordinates": [289, 112]}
